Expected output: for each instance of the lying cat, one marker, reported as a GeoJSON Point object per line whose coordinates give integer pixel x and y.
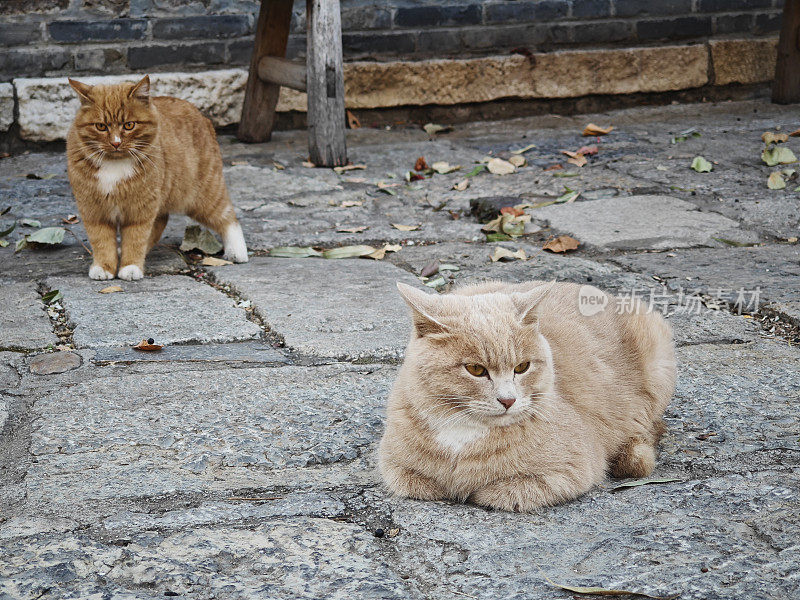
{"type": "Point", "coordinates": [510, 398]}
{"type": "Point", "coordinates": [132, 160]}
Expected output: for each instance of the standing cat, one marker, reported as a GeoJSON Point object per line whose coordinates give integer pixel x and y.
{"type": "Point", "coordinates": [510, 398]}
{"type": "Point", "coordinates": [132, 160]}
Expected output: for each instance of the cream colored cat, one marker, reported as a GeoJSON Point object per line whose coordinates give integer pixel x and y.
{"type": "Point", "coordinates": [510, 398]}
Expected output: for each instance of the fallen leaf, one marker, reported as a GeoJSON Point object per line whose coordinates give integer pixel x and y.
{"type": "Point", "coordinates": [5, 210]}
{"type": "Point", "coordinates": [449, 267]}
{"type": "Point", "coordinates": [518, 161]}
{"type": "Point", "coordinates": [381, 252]}
{"type": "Point", "coordinates": [598, 591]}
{"type": "Point", "coordinates": [9, 230]}
{"type": "Point", "coordinates": [460, 186]}
{"type": "Point", "coordinates": [567, 197]}
{"type": "Point", "coordinates": [405, 227]}
{"type": "Point", "coordinates": [562, 243]}
{"type": "Point", "coordinates": [791, 240]}
{"type": "Point", "coordinates": [505, 254]}
{"type": "Point", "coordinates": [70, 219]}
{"type": "Point", "coordinates": [354, 180]}
{"type": "Point", "coordinates": [498, 166]}
{"type": "Point", "coordinates": [568, 174]}
{"type": "Point", "coordinates": [278, 165]}
{"type": "Point", "coordinates": [240, 163]}
{"type": "Point", "coordinates": [112, 289]}
{"type": "Point", "coordinates": [3, 243]}
{"type": "Point", "coordinates": [578, 160]}
{"type": "Point", "coordinates": [353, 121]}
{"type": "Point", "coordinates": [349, 168]}
{"type": "Point", "coordinates": [308, 164]}
{"type": "Point", "coordinates": [348, 252]}
{"type": "Point", "coordinates": [476, 170]}
{"type": "Point", "coordinates": [512, 210]}
{"type": "Point", "coordinates": [775, 181]}
{"type": "Point", "coordinates": [588, 150]}
{"type": "Point", "coordinates": [701, 165]}
{"type": "Point", "coordinates": [436, 282]}
{"type": "Point", "coordinates": [387, 187]}
{"type": "Point", "coordinates": [351, 203]}
{"type": "Point", "coordinates": [524, 150]}
{"type": "Point", "coordinates": [778, 155]}
{"type": "Point", "coordinates": [294, 252]}
{"type": "Point", "coordinates": [498, 237]}
{"type": "Point", "coordinates": [555, 167]}
{"type": "Point", "coordinates": [357, 229]}
{"type": "Point", "coordinates": [421, 165]}
{"type": "Point", "coordinates": [432, 128]}
{"type": "Point", "coordinates": [795, 133]}
{"type": "Point", "coordinates": [592, 129]}
{"type": "Point", "coordinates": [443, 168]}
{"type": "Point", "coordinates": [148, 346]}
{"type": "Point", "coordinates": [769, 137]}
{"type": "Point", "coordinates": [432, 268]}
{"type": "Point", "coordinates": [52, 296]}
{"type": "Point", "coordinates": [638, 482]}
{"type": "Point", "coordinates": [198, 238]}
{"type": "Point", "coordinates": [30, 223]}
{"type": "Point", "coordinates": [48, 235]}
{"type": "Point", "coordinates": [213, 261]}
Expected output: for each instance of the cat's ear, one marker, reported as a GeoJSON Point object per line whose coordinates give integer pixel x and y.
{"type": "Point", "coordinates": [141, 91]}
{"type": "Point", "coordinates": [423, 307]}
{"type": "Point", "coordinates": [527, 303]}
{"type": "Point", "coordinates": [83, 90]}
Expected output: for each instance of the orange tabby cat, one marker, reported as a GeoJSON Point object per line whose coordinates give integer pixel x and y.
{"type": "Point", "coordinates": [510, 398]}
{"type": "Point", "coordinates": [133, 160]}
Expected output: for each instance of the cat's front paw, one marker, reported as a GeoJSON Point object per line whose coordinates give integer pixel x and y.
{"type": "Point", "coordinates": [99, 273]}
{"type": "Point", "coordinates": [235, 246]}
{"type": "Point", "coordinates": [130, 273]}
{"type": "Point", "coordinates": [512, 495]}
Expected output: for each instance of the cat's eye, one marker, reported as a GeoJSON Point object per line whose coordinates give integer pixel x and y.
{"type": "Point", "coordinates": [477, 370]}
{"type": "Point", "coordinates": [101, 126]}
{"type": "Point", "coordinates": [522, 367]}
{"type": "Point", "coordinates": [129, 125]}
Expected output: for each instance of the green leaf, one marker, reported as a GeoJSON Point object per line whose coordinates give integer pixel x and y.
{"type": "Point", "coordinates": [29, 223]}
{"type": "Point", "coordinates": [9, 230]}
{"type": "Point", "coordinates": [775, 181]}
{"type": "Point", "coordinates": [567, 174]}
{"type": "Point", "coordinates": [701, 165]}
{"type": "Point", "coordinates": [436, 282]}
{"type": "Point", "coordinates": [432, 128]}
{"type": "Point", "coordinates": [48, 235]}
{"type": "Point", "coordinates": [197, 238]}
{"type": "Point", "coordinates": [21, 244]}
{"type": "Point", "coordinates": [513, 228]}
{"type": "Point", "coordinates": [3, 243]}
{"type": "Point", "coordinates": [348, 252]}
{"type": "Point", "coordinates": [778, 155]}
{"type": "Point", "coordinates": [497, 237]}
{"type": "Point", "coordinates": [52, 296]}
{"type": "Point", "coordinates": [476, 170]}
{"type": "Point", "coordinates": [524, 150]}
{"type": "Point", "coordinates": [638, 482]}
{"type": "Point", "coordinates": [568, 196]}
{"type": "Point", "coordinates": [294, 252]}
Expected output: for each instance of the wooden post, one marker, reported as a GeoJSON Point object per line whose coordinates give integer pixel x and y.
{"type": "Point", "coordinates": [786, 87]}
{"type": "Point", "coordinates": [325, 84]}
{"type": "Point", "coordinates": [260, 98]}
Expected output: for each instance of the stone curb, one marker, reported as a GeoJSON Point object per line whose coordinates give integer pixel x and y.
{"type": "Point", "coordinates": [46, 106]}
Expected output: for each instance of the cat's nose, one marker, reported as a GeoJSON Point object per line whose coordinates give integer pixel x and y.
{"type": "Point", "coordinates": [507, 402]}
{"type": "Point", "coordinates": [115, 142]}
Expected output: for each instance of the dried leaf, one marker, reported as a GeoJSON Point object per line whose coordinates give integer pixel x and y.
{"type": "Point", "coordinates": [198, 238]}
{"type": "Point", "coordinates": [48, 235]}
{"type": "Point", "coordinates": [348, 252]}
{"type": "Point", "coordinates": [293, 252]}
{"type": "Point", "coordinates": [701, 165]}
{"type": "Point", "coordinates": [356, 229]}
{"type": "Point", "coordinates": [524, 150]}
{"type": "Point", "coordinates": [505, 254]}
{"type": "Point", "coordinates": [353, 121]}
{"type": "Point", "coordinates": [555, 167]}
{"type": "Point", "coordinates": [432, 128]}
{"type": "Point", "coordinates": [770, 137]}
{"type": "Point", "coordinates": [795, 133]}
{"type": "Point", "coordinates": [308, 164]}
{"type": "Point", "coordinates": [598, 591]}
{"type": "Point", "coordinates": [421, 165]}
{"type": "Point", "coordinates": [588, 150]}
{"type": "Point", "coordinates": [498, 166]}
{"type": "Point", "coordinates": [443, 168]}
{"type": "Point", "coordinates": [148, 346]}
{"type": "Point", "coordinates": [592, 129]}
{"type": "Point", "coordinates": [52, 296]}
{"type": "Point", "coordinates": [518, 161]}
{"type": "Point", "coordinates": [381, 252]}
{"type": "Point", "coordinates": [430, 269]}
{"type": "Point", "coordinates": [578, 160]}
{"type": "Point", "coordinates": [405, 227]}
{"type": "Point", "coordinates": [387, 187]}
{"type": "Point", "coordinates": [462, 185]}
{"type": "Point", "coordinates": [562, 243]}
{"type": "Point", "coordinates": [638, 482]}
{"type": "Point", "coordinates": [354, 180]}
{"type": "Point", "coordinates": [278, 165]}
{"type": "Point", "coordinates": [512, 210]}
{"type": "Point", "coordinates": [212, 261]}
{"type": "Point", "coordinates": [70, 219]}
{"type": "Point", "coordinates": [351, 203]}
{"type": "Point", "coordinates": [30, 223]}
{"type": "Point", "coordinates": [778, 155]}
{"type": "Point", "coordinates": [775, 181]}
{"type": "Point", "coordinates": [112, 289]}
{"type": "Point", "coordinates": [240, 163]}
{"type": "Point", "coordinates": [349, 168]}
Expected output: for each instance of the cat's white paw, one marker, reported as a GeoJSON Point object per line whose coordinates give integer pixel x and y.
{"type": "Point", "coordinates": [235, 247]}
{"type": "Point", "coordinates": [130, 273]}
{"type": "Point", "coordinates": [98, 272]}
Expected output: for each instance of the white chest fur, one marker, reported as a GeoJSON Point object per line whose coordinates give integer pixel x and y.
{"type": "Point", "coordinates": [111, 172]}
{"type": "Point", "coordinates": [457, 437]}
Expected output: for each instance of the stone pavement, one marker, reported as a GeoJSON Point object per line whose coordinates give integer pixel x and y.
{"type": "Point", "coordinates": [239, 462]}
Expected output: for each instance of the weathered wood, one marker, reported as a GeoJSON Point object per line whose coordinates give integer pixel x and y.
{"type": "Point", "coordinates": [325, 83]}
{"type": "Point", "coordinates": [283, 72]}
{"type": "Point", "coordinates": [260, 98]}
{"type": "Point", "coordinates": [786, 87]}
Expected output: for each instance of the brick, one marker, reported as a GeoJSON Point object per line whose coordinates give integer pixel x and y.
{"type": "Point", "coordinates": [97, 31]}
{"type": "Point", "coordinates": [734, 23]}
{"type": "Point", "coordinates": [240, 51]}
{"type": "Point", "coordinates": [727, 5]}
{"type": "Point", "coordinates": [89, 60]}
{"type": "Point", "coordinates": [32, 63]}
{"type": "Point", "coordinates": [632, 8]}
{"type": "Point", "coordinates": [528, 36]}
{"type": "Point", "coordinates": [515, 12]}
{"type": "Point", "coordinates": [767, 23]}
{"type": "Point", "coordinates": [203, 27]}
{"type": "Point", "coordinates": [17, 34]}
{"type": "Point", "coordinates": [25, 7]}
{"type": "Point", "coordinates": [607, 31]}
{"type": "Point", "coordinates": [365, 17]}
{"type": "Point", "coordinates": [369, 44]}
{"type": "Point", "coordinates": [444, 42]}
{"type": "Point", "coordinates": [591, 9]}
{"type": "Point", "coordinates": [681, 27]}
{"type": "Point", "coordinates": [432, 16]}
{"type": "Point", "coordinates": [743, 61]}
{"type": "Point", "coordinates": [203, 53]}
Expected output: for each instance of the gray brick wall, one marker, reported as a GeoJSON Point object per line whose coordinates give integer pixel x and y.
{"type": "Point", "coordinates": [59, 37]}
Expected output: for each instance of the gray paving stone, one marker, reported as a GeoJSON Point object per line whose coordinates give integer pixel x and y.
{"type": "Point", "coordinates": [24, 324]}
{"type": "Point", "coordinates": [651, 222]}
{"type": "Point", "coordinates": [345, 308]}
{"type": "Point", "coordinates": [53, 363]}
{"type": "Point", "coordinates": [239, 352]}
{"type": "Point", "coordinates": [171, 309]}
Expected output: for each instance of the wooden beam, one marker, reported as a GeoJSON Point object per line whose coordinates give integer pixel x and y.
{"type": "Point", "coordinates": [325, 83]}
{"type": "Point", "coordinates": [260, 98]}
{"type": "Point", "coordinates": [786, 87]}
{"type": "Point", "coordinates": [280, 71]}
